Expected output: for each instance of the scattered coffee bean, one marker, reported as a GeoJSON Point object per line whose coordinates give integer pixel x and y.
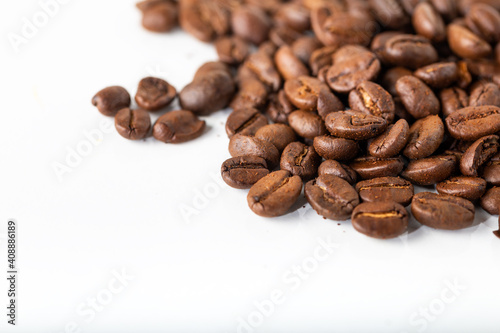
{"type": "Point", "coordinates": [301, 160]}
{"type": "Point", "coordinates": [232, 50]}
{"type": "Point", "coordinates": [484, 20]}
{"type": "Point", "coordinates": [243, 171]}
{"type": "Point", "coordinates": [470, 188]}
{"type": "Point", "coordinates": [133, 124]}
{"type": "Point", "coordinates": [178, 126]}
{"type": "Point", "coordinates": [243, 145]}
{"type": "Point", "coordinates": [110, 100]}
{"type": "Point", "coordinates": [386, 189]}
{"type": "Point", "coordinates": [159, 15]}
{"type": "Point", "coordinates": [251, 23]}
{"type": "Point", "coordinates": [380, 219]}
{"type": "Point", "coordinates": [154, 94]}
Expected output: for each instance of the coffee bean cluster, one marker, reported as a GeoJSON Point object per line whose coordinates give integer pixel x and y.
{"type": "Point", "coordinates": [350, 102]}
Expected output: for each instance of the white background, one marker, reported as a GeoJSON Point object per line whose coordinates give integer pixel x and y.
{"type": "Point", "coordinates": [119, 209]}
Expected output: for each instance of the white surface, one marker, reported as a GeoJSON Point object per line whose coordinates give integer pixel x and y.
{"type": "Point", "coordinates": [119, 209]}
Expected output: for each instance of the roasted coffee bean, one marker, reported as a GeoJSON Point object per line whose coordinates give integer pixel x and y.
{"type": "Point", "coordinates": [484, 93]}
{"type": "Point", "coordinates": [307, 124]}
{"type": "Point", "coordinates": [484, 69]}
{"type": "Point", "coordinates": [154, 94]}
{"type": "Point", "coordinates": [392, 141]}
{"type": "Point", "coordinates": [332, 167]}
{"type": "Point", "coordinates": [372, 167]}
{"type": "Point", "coordinates": [430, 170]}
{"type": "Point", "coordinates": [288, 64]}
{"type": "Point", "coordinates": [204, 20]}
{"type": "Point", "coordinates": [301, 160]}
{"type": "Point", "coordinates": [490, 202]}
{"type": "Point", "coordinates": [447, 8]}
{"type": "Point", "coordinates": [439, 75]}
{"type": "Point", "coordinates": [409, 51]}
{"type": "Point", "coordinates": [428, 23]}
{"type": "Point", "coordinates": [245, 121]}
{"type": "Point", "coordinates": [331, 197]}
{"type": "Point", "coordinates": [474, 122]}
{"type": "Point", "coordinates": [386, 189]}
{"type": "Point", "coordinates": [159, 15]}
{"type": "Point", "coordinates": [262, 64]}
{"type": "Point", "coordinates": [392, 76]}
{"type": "Point", "coordinates": [304, 47]}
{"type": "Point", "coordinates": [372, 99]}
{"type": "Point", "coordinates": [274, 194]}
{"type": "Point", "coordinates": [417, 97]}
{"type": "Point", "coordinates": [465, 43]}
{"type": "Point", "coordinates": [328, 103]}
{"type": "Point", "coordinates": [478, 154]}
{"type": "Point", "coordinates": [242, 145]}
{"type": "Point", "coordinates": [283, 36]}
{"type": "Point", "coordinates": [110, 100]}
{"type": "Point", "coordinates": [484, 20]}
{"type": "Point", "coordinates": [331, 148]}
{"type": "Point", "coordinates": [381, 220]}
{"type": "Point", "coordinates": [389, 13]}
{"type": "Point", "coordinates": [279, 135]}
{"type": "Point", "coordinates": [321, 58]}
{"type": "Point", "coordinates": [453, 99]}
{"type": "Point", "coordinates": [133, 124]}
{"type": "Point", "coordinates": [303, 92]}
{"type": "Point", "coordinates": [251, 23]}
{"type": "Point", "coordinates": [425, 137]}
{"type": "Point", "coordinates": [279, 107]}
{"type": "Point", "coordinates": [178, 126]}
{"type": "Point", "coordinates": [464, 75]}
{"type": "Point", "coordinates": [491, 171]}
{"type": "Point", "coordinates": [441, 211]}
{"type": "Point", "coordinates": [470, 188]}
{"type": "Point", "coordinates": [252, 93]}
{"type": "Point", "coordinates": [378, 43]}
{"type": "Point", "coordinates": [352, 65]}
{"type": "Point", "coordinates": [232, 50]}
{"type": "Point", "coordinates": [243, 171]}
{"type": "Point", "coordinates": [354, 125]}
{"type": "Point", "coordinates": [293, 15]}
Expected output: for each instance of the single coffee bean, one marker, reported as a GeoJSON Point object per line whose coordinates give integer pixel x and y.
{"type": "Point", "coordinates": [331, 197]}
{"type": "Point", "coordinates": [262, 64]}
{"type": "Point", "coordinates": [470, 188]}
{"type": "Point", "coordinates": [274, 194]}
{"type": "Point", "coordinates": [307, 124]}
{"type": "Point", "coordinates": [293, 16]}
{"type": "Point", "coordinates": [110, 100]}
{"type": "Point", "coordinates": [243, 171]}
{"type": "Point", "coordinates": [381, 220]}
{"type": "Point", "coordinates": [453, 99]}
{"type": "Point", "coordinates": [133, 124]}
{"type": "Point", "coordinates": [490, 202]}
{"type": "Point", "coordinates": [428, 22]}
{"type": "Point", "coordinates": [303, 92]}
{"type": "Point", "coordinates": [486, 93]}
{"type": "Point", "coordinates": [371, 98]}
{"type": "Point", "coordinates": [425, 137]}
{"type": "Point", "coordinates": [386, 189]}
{"type": "Point", "coordinates": [279, 107]}
{"type": "Point", "coordinates": [301, 160]}
{"type": "Point", "coordinates": [377, 45]}
{"type": "Point", "coordinates": [391, 76]}
{"type": "Point", "coordinates": [288, 64]}
{"type": "Point", "coordinates": [392, 141]}
{"type": "Point", "coordinates": [332, 167]}
{"type": "Point", "coordinates": [442, 211]}
{"type": "Point", "coordinates": [159, 15]}
{"type": "Point", "coordinates": [354, 125]}
{"type": "Point", "coordinates": [465, 43]}
{"type": "Point", "coordinates": [283, 36]}
{"type": "Point", "coordinates": [389, 13]}
{"type": "Point", "coordinates": [352, 65]}
{"type": "Point", "coordinates": [484, 20]}
{"type": "Point", "coordinates": [430, 170]}
{"type": "Point", "coordinates": [417, 97]}
{"type": "Point", "coordinates": [252, 93]}
{"type": "Point", "coordinates": [304, 47]}
{"type": "Point", "coordinates": [245, 121]}
{"type": "Point", "coordinates": [447, 8]}
{"type": "Point", "coordinates": [242, 145]}
{"type": "Point", "coordinates": [439, 75]}
{"type": "Point", "coordinates": [409, 51]}
{"type": "Point", "coordinates": [178, 126]}
{"type": "Point", "coordinates": [372, 167]}
{"type": "Point", "coordinates": [232, 50]}
{"type": "Point", "coordinates": [478, 154]}
{"type": "Point", "coordinates": [491, 171]}
{"type": "Point", "coordinates": [279, 135]}
{"type": "Point", "coordinates": [474, 122]}
{"type": "Point", "coordinates": [331, 148]}
{"type": "Point", "coordinates": [251, 23]}
{"type": "Point", "coordinates": [321, 58]}
{"type": "Point", "coordinates": [154, 94]}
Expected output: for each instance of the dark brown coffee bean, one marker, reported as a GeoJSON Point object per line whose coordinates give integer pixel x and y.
{"type": "Point", "coordinates": [484, 20]}
{"type": "Point", "coordinates": [232, 50]}
{"type": "Point", "coordinates": [441, 211]}
{"type": "Point", "coordinates": [431, 170]}
{"type": "Point", "coordinates": [470, 188]}
{"type": "Point", "coordinates": [392, 76]}
{"type": "Point", "coordinates": [386, 189]}
{"type": "Point", "coordinates": [279, 135]}
{"type": "Point", "coordinates": [303, 92]}
{"type": "Point", "coordinates": [304, 47]}
{"type": "Point", "coordinates": [447, 8]}
{"type": "Point", "coordinates": [392, 141]}
{"type": "Point", "coordinates": [178, 126]}
{"type": "Point", "coordinates": [484, 93]}
{"type": "Point", "coordinates": [409, 51]}
{"type": "Point", "coordinates": [307, 124]}
{"type": "Point", "coordinates": [332, 167]}
{"type": "Point", "coordinates": [293, 15]}
{"type": "Point", "coordinates": [352, 65]}
{"type": "Point", "coordinates": [491, 171]}
{"type": "Point", "coordinates": [439, 75]}
{"type": "Point", "coordinates": [262, 64]}
{"type": "Point", "coordinates": [389, 13]}
{"type": "Point", "coordinates": [331, 197]}
{"type": "Point", "coordinates": [243, 171]}
{"type": "Point", "coordinates": [321, 58]}
{"type": "Point", "coordinates": [474, 122]}
{"type": "Point", "coordinates": [490, 202]}
{"type": "Point", "coordinates": [133, 124]}
{"type": "Point", "coordinates": [453, 99]}
{"type": "Point", "coordinates": [301, 160]}
{"type": "Point", "coordinates": [354, 125]}
{"type": "Point", "coordinates": [251, 23]}
{"type": "Point", "coordinates": [371, 98]}
{"type": "Point", "coordinates": [288, 64]}
{"type": "Point", "coordinates": [204, 20]}
{"type": "Point", "coordinates": [478, 154]}
{"type": "Point", "coordinates": [110, 100]}
{"type": "Point", "coordinates": [159, 15]}
{"type": "Point", "coordinates": [154, 94]}
{"type": "Point", "coordinates": [252, 93]}
{"type": "Point", "coordinates": [242, 145]}
{"type": "Point", "coordinates": [401, 112]}
{"type": "Point", "coordinates": [245, 121]}
{"type": "Point", "coordinates": [465, 43]}
{"type": "Point", "coordinates": [425, 137]}
{"type": "Point", "coordinates": [279, 107]}
{"type": "Point", "coordinates": [331, 148]}
{"type": "Point", "coordinates": [378, 43]}
{"type": "Point", "coordinates": [382, 220]}
{"type": "Point", "coordinates": [417, 97]}
{"type": "Point", "coordinates": [372, 167]}
{"type": "Point", "coordinates": [428, 22]}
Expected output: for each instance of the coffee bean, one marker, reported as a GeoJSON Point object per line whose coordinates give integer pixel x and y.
{"type": "Point", "coordinates": [392, 76]}
{"type": "Point", "coordinates": [288, 64]}
{"type": "Point", "coordinates": [453, 99]}
{"type": "Point", "coordinates": [279, 135]}
{"type": "Point", "coordinates": [159, 15]}
{"type": "Point", "coordinates": [370, 98]}
{"type": "Point", "coordinates": [262, 64]}
{"type": "Point", "coordinates": [243, 171]}
{"type": "Point", "coordinates": [465, 43]}
{"type": "Point", "coordinates": [474, 122]}
{"type": "Point", "coordinates": [332, 167]}
{"type": "Point", "coordinates": [490, 202]}
{"type": "Point", "coordinates": [392, 141]}
{"type": "Point", "coordinates": [417, 97]}
{"type": "Point", "coordinates": [491, 171]}
{"type": "Point", "coordinates": [304, 47]}
{"type": "Point", "coordinates": [478, 154]}
{"type": "Point", "coordinates": [331, 197]}
{"type": "Point", "coordinates": [133, 124]}
{"type": "Point", "coordinates": [470, 188]}
{"type": "Point", "coordinates": [484, 20]}
{"type": "Point", "coordinates": [332, 148]}
{"type": "Point", "coordinates": [386, 189]}
{"type": "Point", "coordinates": [252, 93]}
{"type": "Point", "coordinates": [409, 51]}
{"type": "Point", "coordinates": [245, 121]}
{"type": "Point", "coordinates": [439, 75]}
{"type": "Point", "coordinates": [389, 13]}
{"type": "Point", "coordinates": [283, 36]}
{"type": "Point", "coordinates": [442, 211]}
{"type": "Point", "coordinates": [251, 23]}
{"type": "Point", "coordinates": [110, 100]}
{"type": "Point", "coordinates": [232, 50]}
{"type": "Point", "coordinates": [425, 136]}
{"type": "Point", "coordinates": [274, 194]}
{"type": "Point", "coordinates": [303, 92]}
{"type": "Point", "coordinates": [293, 15]}
{"type": "Point", "coordinates": [279, 108]}
{"type": "Point", "coordinates": [204, 20]}
{"type": "Point", "coordinates": [178, 126]}
{"type": "Point", "coordinates": [306, 124]}
{"type": "Point", "coordinates": [372, 167]}
{"type": "Point", "coordinates": [377, 45]}
{"type": "Point", "coordinates": [428, 22]}
{"type": "Point", "coordinates": [484, 94]}
{"type": "Point", "coordinates": [242, 145]}
{"type": "Point", "coordinates": [381, 220]}
{"type": "Point", "coordinates": [447, 8]}
{"type": "Point", "coordinates": [301, 160]}
{"type": "Point", "coordinates": [321, 58]}
{"type": "Point", "coordinates": [430, 170]}
{"type": "Point", "coordinates": [154, 94]}
{"type": "Point", "coordinates": [354, 125]}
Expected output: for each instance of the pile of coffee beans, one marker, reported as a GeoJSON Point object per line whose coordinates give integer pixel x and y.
{"type": "Point", "coordinates": [351, 102]}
